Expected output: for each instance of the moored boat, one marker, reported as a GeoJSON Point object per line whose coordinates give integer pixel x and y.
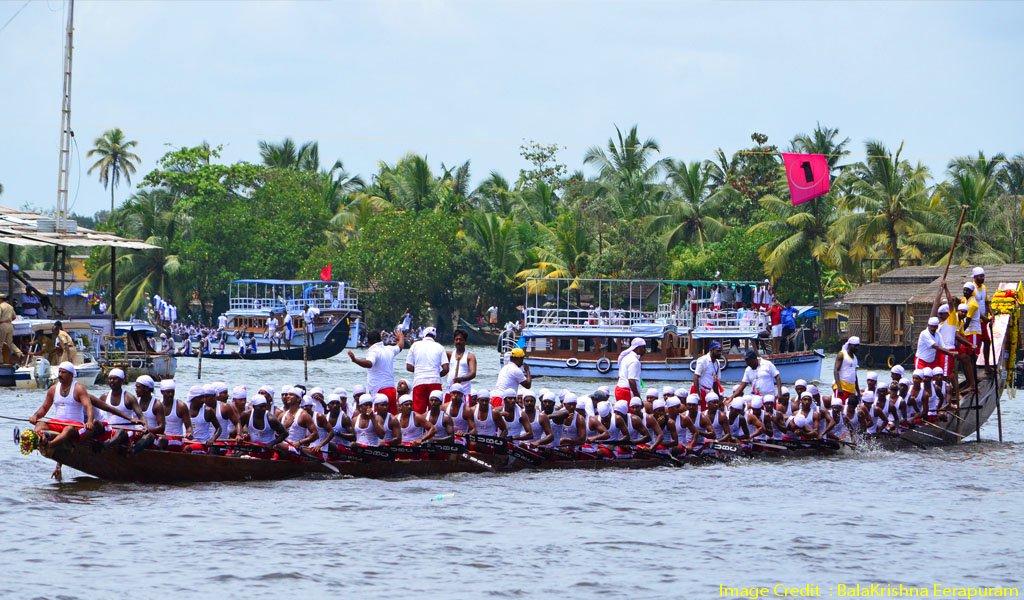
{"type": "Point", "coordinates": [568, 332]}
{"type": "Point", "coordinates": [137, 348]}
{"type": "Point", "coordinates": [332, 344]}
{"type": "Point", "coordinates": [40, 368]}
{"type": "Point", "coordinates": [252, 302]}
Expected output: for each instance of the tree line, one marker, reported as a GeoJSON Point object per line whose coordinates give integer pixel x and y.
{"type": "Point", "coordinates": [424, 238]}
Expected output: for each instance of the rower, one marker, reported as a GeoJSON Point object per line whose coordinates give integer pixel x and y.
{"type": "Point", "coordinates": [124, 404]}
{"type": "Point", "coordinates": [513, 375]}
{"type": "Point", "coordinates": [939, 395]}
{"type": "Point", "coordinates": [851, 418]}
{"type": "Point", "coordinates": [487, 421]}
{"type": "Point", "coordinates": [317, 394]}
{"type": "Point", "coordinates": [755, 419]}
{"type": "Point", "coordinates": [640, 427]}
{"type": "Point", "coordinates": [392, 430]}
{"type": "Point", "coordinates": [536, 423]}
{"type": "Point", "coordinates": [227, 415]}
{"type": "Point", "coordinates": [865, 413]}
{"type": "Point", "coordinates": [597, 430]}
{"type": "Point", "coordinates": [692, 427]}
{"type": "Point", "coordinates": [239, 397]}
{"type": "Point", "coordinates": [324, 428]}
{"type": "Point", "coordinates": [261, 427]}
{"type": "Point", "coordinates": [620, 426]}
{"type": "Point", "coordinates": [298, 422]}
{"type": "Point", "coordinates": [547, 403]}
{"type": "Point", "coordinates": [428, 362]}
{"type": "Point", "coordinates": [152, 411]}
{"type": "Point", "coordinates": [368, 428]}
{"type": "Point", "coordinates": [826, 420]}
{"type": "Point", "coordinates": [845, 371]}
{"type": "Point", "coordinates": [177, 420]}
{"type": "Point", "coordinates": [73, 411]}
{"type": "Point", "coordinates": [268, 393]}
{"type": "Point", "coordinates": [761, 375]}
{"type": "Point", "coordinates": [205, 426]}
{"type": "Point", "coordinates": [930, 351]}
{"type": "Point", "coordinates": [461, 414]}
{"type": "Point", "coordinates": [573, 425]}
{"type": "Point", "coordinates": [517, 425]}
{"type": "Point", "coordinates": [774, 421]}
{"type": "Point", "coordinates": [442, 426]}
{"type": "Point", "coordinates": [871, 381]}
{"type": "Point", "coordinates": [717, 417]}
{"type": "Point", "coordinates": [628, 385]}
{"type": "Point", "coordinates": [416, 428]}
{"type": "Point", "coordinates": [340, 422]}
{"type": "Point", "coordinates": [738, 426]}
{"type": "Point", "coordinates": [839, 427]}
{"type": "Point", "coordinates": [706, 372]}
{"type": "Point", "coordinates": [380, 365]}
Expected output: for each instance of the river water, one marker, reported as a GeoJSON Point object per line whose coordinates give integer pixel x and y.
{"type": "Point", "coordinates": [917, 518]}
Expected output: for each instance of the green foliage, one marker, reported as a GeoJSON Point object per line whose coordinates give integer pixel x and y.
{"type": "Point", "coordinates": [406, 259]}
{"type": "Point", "coordinates": [545, 167]}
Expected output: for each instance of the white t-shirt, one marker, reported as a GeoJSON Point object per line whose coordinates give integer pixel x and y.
{"type": "Point", "coordinates": [762, 379]}
{"type": "Point", "coordinates": [509, 377]}
{"type": "Point", "coordinates": [629, 368]}
{"type": "Point", "coordinates": [426, 356]}
{"type": "Point", "coordinates": [705, 371]}
{"type": "Point", "coordinates": [222, 321]}
{"type": "Point", "coordinates": [381, 374]}
{"type": "Point", "coordinates": [925, 346]}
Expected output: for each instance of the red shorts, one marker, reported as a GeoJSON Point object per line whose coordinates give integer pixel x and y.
{"type": "Point", "coordinates": [841, 393]}
{"type": "Point", "coordinates": [421, 396]}
{"type": "Point", "coordinates": [974, 338]}
{"type": "Point", "coordinates": [703, 392]}
{"type": "Point", "coordinates": [984, 332]}
{"type": "Point", "coordinates": [392, 395]}
{"type": "Point", "coordinates": [622, 393]}
{"type": "Point", "coordinates": [946, 362]}
{"type": "Point", "coordinates": [928, 364]}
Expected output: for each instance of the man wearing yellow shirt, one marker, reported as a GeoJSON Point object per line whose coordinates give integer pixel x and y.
{"type": "Point", "coordinates": [970, 328]}
{"type": "Point", "coordinates": [981, 295]}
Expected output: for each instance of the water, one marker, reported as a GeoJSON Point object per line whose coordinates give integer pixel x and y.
{"type": "Point", "coordinates": [948, 516]}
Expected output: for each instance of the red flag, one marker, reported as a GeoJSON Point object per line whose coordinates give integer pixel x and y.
{"type": "Point", "coordinates": [807, 175]}
{"type": "Point", "coordinates": [325, 273]}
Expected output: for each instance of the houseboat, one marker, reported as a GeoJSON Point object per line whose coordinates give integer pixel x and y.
{"type": "Point", "coordinates": [576, 328]}
{"type": "Point", "coordinates": [253, 302]}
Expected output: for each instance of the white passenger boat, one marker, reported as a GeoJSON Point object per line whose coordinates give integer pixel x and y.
{"type": "Point", "coordinates": [252, 302]}
{"type": "Point", "coordinates": [40, 369]}
{"type": "Point", "coordinates": [576, 328]}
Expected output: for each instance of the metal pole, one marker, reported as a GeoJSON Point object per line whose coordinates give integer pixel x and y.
{"type": "Point", "coordinates": [305, 356]}
{"type": "Point", "coordinates": [977, 403]}
{"type": "Point", "coordinates": [995, 377]}
{"type": "Point", "coordinates": [113, 282]}
{"type": "Point", "coordinates": [202, 341]}
{"type": "Point", "coordinates": [10, 271]}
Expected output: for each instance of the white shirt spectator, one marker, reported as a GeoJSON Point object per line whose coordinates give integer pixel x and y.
{"type": "Point", "coordinates": [222, 322]}
{"type": "Point", "coordinates": [381, 374]}
{"type": "Point", "coordinates": [426, 357]}
{"type": "Point", "coordinates": [706, 371]}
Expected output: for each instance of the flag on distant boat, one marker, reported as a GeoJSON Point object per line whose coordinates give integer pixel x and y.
{"type": "Point", "coordinates": [325, 273]}
{"type": "Point", "coordinates": [807, 175]}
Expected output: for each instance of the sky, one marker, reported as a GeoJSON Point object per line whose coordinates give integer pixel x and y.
{"type": "Point", "coordinates": [472, 80]}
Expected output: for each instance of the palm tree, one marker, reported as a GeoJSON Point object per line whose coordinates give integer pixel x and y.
{"type": "Point", "coordinates": [564, 252]}
{"type": "Point", "coordinates": [148, 215]}
{"type": "Point", "coordinates": [496, 237]}
{"type": "Point", "coordinates": [823, 140]}
{"type": "Point", "coordinates": [971, 183]}
{"type": "Point", "coordinates": [496, 195]}
{"type": "Point", "coordinates": [287, 155]}
{"type": "Point", "coordinates": [115, 159]}
{"type": "Point", "coordinates": [888, 204]}
{"type": "Point", "coordinates": [337, 184]}
{"type": "Point", "coordinates": [628, 169]}
{"type": "Point", "coordinates": [1011, 177]}
{"type": "Point", "coordinates": [352, 218]}
{"type": "Point", "coordinates": [691, 213]}
{"type": "Point", "coordinates": [540, 203]}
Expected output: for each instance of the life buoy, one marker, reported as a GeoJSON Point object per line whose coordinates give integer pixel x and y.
{"type": "Point", "coordinates": [604, 364]}
{"type": "Point", "coordinates": [572, 362]}
{"type": "Point", "coordinates": [868, 360]}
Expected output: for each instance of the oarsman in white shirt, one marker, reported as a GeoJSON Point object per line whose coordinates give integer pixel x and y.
{"type": "Point", "coordinates": [513, 375]}
{"type": "Point", "coordinates": [271, 333]}
{"type": "Point", "coordinates": [380, 365]}
{"type": "Point", "coordinates": [929, 350]}
{"type": "Point", "coordinates": [706, 373]}
{"type": "Point", "coordinates": [628, 385]}
{"type": "Point", "coordinates": [462, 363]}
{"type": "Point", "coordinates": [428, 362]}
{"type": "Point", "coordinates": [761, 375]}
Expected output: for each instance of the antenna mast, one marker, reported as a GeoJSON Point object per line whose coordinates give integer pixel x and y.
{"type": "Point", "coordinates": [65, 128]}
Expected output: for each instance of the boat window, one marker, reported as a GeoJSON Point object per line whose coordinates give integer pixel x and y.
{"type": "Point", "coordinates": [565, 343]}
{"type": "Point", "coordinates": [584, 344]}
{"type": "Point", "coordinates": [612, 345]}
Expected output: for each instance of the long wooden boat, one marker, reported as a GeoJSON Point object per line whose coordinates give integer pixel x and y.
{"type": "Point", "coordinates": [331, 345]}
{"type": "Point", "coordinates": [156, 466]}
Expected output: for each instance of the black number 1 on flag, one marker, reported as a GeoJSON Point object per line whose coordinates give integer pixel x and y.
{"type": "Point", "coordinates": [808, 173]}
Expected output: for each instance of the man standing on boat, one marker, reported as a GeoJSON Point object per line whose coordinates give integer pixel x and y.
{"type": "Point", "coordinates": [511, 376]}
{"type": "Point", "coordinates": [761, 375]}
{"type": "Point", "coordinates": [706, 373]}
{"type": "Point", "coordinates": [428, 362]}
{"type": "Point", "coordinates": [7, 328]}
{"type": "Point", "coordinates": [380, 365]}
{"type": "Point", "coordinates": [463, 364]}
{"type": "Point", "coordinates": [628, 385]}
{"type": "Point", "coordinates": [289, 329]}
{"type": "Point", "coordinates": [64, 346]}
{"type": "Point", "coordinates": [845, 372]}
{"type": "Point", "coordinates": [981, 296]}
{"type": "Point", "coordinates": [930, 351]}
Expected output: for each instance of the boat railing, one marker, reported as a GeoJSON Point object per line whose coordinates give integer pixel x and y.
{"type": "Point", "coordinates": [295, 305]}
{"type": "Point", "coordinates": [730, 322]}
{"type": "Point", "coordinates": [579, 318]}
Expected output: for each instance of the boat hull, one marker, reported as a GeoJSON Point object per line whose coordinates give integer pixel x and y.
{"type": "Point", "coordinates": [298, 338]}
{"type": "Point", "coordinates": [86, 374]}
{"type": "Point", "coordinates": [801, 365]}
